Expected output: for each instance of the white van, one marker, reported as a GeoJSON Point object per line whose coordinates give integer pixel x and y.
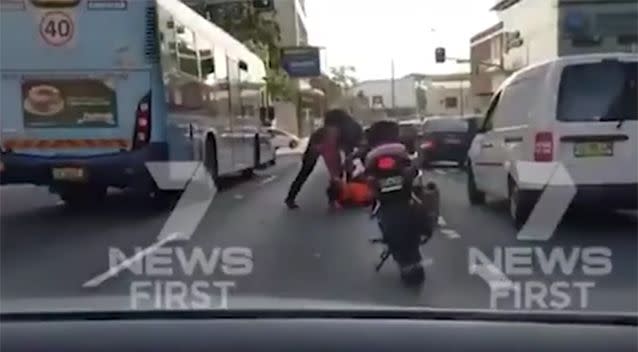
{"type": "Point", "coordinates": [577, 112]}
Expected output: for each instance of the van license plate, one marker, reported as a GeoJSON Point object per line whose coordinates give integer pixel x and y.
{"type": "Point", "coordinates": [69, 174]}
{"type": "Point", "coordinates": [593, 149]}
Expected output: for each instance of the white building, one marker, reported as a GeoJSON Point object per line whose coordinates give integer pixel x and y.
{"type": "Point", "coordinates": [398, 98]}
{"type": "Point", "coordinates": [292, 20]}
{"type": "Point", "coordinates": [449, 98]}
{"type": "Point", "coordinates": [536, 30]}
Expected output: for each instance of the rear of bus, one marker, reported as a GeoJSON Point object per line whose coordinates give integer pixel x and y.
{"type": "Point", "coordinates": [77, 112]}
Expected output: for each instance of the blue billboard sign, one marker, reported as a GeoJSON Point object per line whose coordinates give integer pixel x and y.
{"type": "Point", "coordinates": [301, 62]}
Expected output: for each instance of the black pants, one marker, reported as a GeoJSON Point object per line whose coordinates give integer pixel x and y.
{"type": "Point", "coordinates": [308, 162]}
{"type": "Point", "coordinates": [333, 191]}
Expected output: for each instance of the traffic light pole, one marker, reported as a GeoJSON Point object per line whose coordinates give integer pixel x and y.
{"type": "Point", "coordinates": [488, 64]}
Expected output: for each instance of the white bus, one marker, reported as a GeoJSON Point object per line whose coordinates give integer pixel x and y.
{"type": "Point", "coordinates": [93, 89]}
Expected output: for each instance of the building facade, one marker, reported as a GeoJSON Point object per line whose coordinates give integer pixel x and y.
{"type": "Point", "coordinates": [292, 20]}
{"type": "Point", "coordinates": [449, 95]}
{"type": "Point", "coordinates": [487, 65]}
{"type": "Point", "coordinates": [537, 30]}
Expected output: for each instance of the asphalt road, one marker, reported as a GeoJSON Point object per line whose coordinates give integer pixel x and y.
{"type": "Point", "coordinates": [48, 252]}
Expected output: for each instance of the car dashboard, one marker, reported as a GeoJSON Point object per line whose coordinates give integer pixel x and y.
{"type": "Point", "coordinates": [314, 331]}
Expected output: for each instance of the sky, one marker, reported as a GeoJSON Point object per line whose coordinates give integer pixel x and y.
{"type": "Point", "coordinates": [369, 34]}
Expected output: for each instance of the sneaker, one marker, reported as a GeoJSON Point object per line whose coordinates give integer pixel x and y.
{"type": "Point", "coordinates": [291, 204]}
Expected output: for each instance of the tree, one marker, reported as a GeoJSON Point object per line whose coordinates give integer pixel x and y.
{"type": "Point", "coordinates": [421, 100]}
{"type": "Point", "coordinates": [261, 34]}
{"type": "Point", "coordinates": [331, 89]}
{"type": "Point", "coordinates": [344, 76]}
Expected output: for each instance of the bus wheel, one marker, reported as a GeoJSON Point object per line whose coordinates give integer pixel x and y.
{"type": "Point", "coordinates": [83, 197]}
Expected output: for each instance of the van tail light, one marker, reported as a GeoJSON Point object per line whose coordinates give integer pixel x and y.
{"type": "Point", "coordinates": [544, 146]}
{"type": "Point", "coordinates": [386, 163]}
{"type": "Point", "coordinates": [142, 133]}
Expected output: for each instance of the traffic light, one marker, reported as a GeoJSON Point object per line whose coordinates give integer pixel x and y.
{"type": "Point", "coordinates": [264, 5]}
{"type": "Point", "coordinates": [439, 55]}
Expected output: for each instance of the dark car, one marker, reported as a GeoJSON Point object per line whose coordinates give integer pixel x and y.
{"type": "Point", "coordinates": [411, 132]}
{"type": "Point", "coordinates": [474, 124]}
{"type": "Point", "coordinates": [445, 139]}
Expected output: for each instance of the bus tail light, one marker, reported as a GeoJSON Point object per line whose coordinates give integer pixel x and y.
{"type": "Point", "coordinates": [142, 122]}
{"type": "Point", "coordinates": [544, 146]}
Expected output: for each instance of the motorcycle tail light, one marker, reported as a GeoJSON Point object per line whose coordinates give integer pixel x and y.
{"type": "Point", "coordinates": [386, 163]}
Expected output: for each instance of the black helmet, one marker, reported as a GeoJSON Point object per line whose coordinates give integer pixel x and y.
{"type": "Point", "coordinates": [384, 131]}
{"type": "Point", "coordinates": [351, 132]}
{"type": "Point", "coordinates": [335, 118]}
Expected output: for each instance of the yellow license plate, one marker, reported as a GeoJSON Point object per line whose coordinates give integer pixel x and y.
{"type": "Point", "coordinates": [593, 149]}
{"type": "Point", "coordinates": [69, 174]}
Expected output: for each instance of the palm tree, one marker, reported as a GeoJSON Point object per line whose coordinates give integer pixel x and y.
{"type": "Point", "coordinates": [344, 76]}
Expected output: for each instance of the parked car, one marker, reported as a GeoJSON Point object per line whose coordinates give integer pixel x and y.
{"type": "Point", "coordinates": [283, 139]}
{"type": "Point", "coordinates": [575, 111]}
{"type": "Point", "coordinates": [411, 133]}
{"type": "Point", "coordinates": [444, 139]}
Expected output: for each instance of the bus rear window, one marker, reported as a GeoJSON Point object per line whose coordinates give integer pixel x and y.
{"type": "Point", "coordinates": [55, 3]}
{"type": "Point", "coordinates": [603, 91]}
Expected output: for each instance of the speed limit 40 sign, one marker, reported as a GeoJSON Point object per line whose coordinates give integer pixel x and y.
{"type": "Point", "coordinates": [57, 28]}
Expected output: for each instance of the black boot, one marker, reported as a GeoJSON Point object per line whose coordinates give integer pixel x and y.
{"type": "Point", "coordinates": [291, 204]}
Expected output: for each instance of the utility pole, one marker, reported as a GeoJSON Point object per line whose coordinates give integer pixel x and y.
{"type": "Point", "coordinates": [393, 87]}
{"type": "Point", "coordinates": [461, 98]}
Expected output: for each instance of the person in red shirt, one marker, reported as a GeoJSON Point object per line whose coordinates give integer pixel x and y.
{"type": "Point", "coordinates": [331, 154]}
{"type": "Point", "coordinates": [327, 142]}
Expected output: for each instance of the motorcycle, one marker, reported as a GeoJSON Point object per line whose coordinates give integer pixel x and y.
{"type": "Point", "coordinates": [407, 210]}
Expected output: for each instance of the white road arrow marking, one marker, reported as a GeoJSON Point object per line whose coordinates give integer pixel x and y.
{"type": "Point", "coordinates": [267, 180]}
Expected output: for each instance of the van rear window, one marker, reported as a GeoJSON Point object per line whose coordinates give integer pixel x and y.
{"type": "Point", "coordinates": [603, 91]}
{"type": "Point", "coordinates": [446, 125]}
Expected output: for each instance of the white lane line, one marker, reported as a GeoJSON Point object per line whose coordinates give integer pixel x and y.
{"type": "Point", "coordinates": [267, 180]}
{"type": "Point", "coordinates": [442, 221]}
{"type": "Point", "coordinates": [440, 172]}
{"type": "Point", "coordinates": [238, 196]}
{"type": "Point", "coordinates": [125, 264]}
{"type": "Point", "coordinates": [493, 276]}
{"type": "Point", "coordinates": [451, 234]}
{"type": "Point", "coordinates": [17, 187]}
